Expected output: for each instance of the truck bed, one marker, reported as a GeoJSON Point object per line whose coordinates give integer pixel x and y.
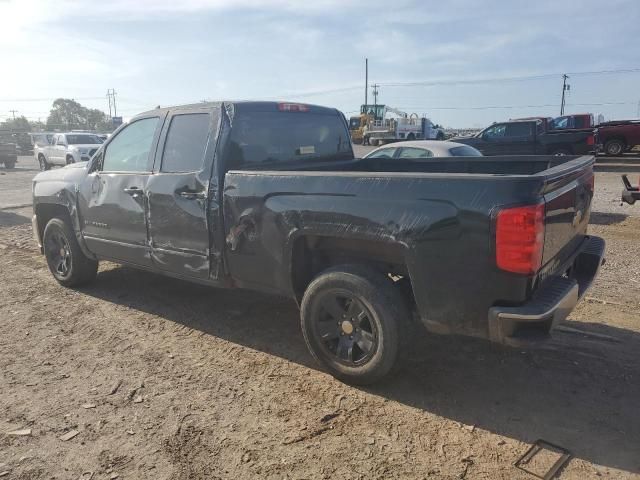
{"type": "Point", "coordinates": [431, 219]}
{"type": "Point", "coordinates": [540, 165]}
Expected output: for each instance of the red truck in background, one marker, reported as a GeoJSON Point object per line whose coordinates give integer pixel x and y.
{"type": "Point", "coordinates": [617, 137]}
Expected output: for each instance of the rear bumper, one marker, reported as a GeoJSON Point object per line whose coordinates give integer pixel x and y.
{"type": "Point", "coordinates": [550, 304]}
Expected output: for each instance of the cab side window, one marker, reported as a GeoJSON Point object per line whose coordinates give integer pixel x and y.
{"type": "Point", "coordinates": [186, 143]}
{"type": "Point", "coordinates": [409, 152]}
{"type": "Point", "coordinates": [383, 153]}
{"type": "Point", "coordinates": [129, 150]}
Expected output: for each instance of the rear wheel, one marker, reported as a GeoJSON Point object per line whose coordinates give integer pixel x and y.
{"type": "Point", "coordinates": [68, 264]}
{"type": "Point", "coordinates": [614, 147]}
{"type": "Point", "coordinates": [352, 318]}
{"type": "Point", "coordinates": [70, 160]}
{"type": "Point", "coordinates": [9, 164]}
{"type": "Point", "coordinates": [43, 163]}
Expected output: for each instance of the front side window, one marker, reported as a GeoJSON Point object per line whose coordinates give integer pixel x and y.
{"type": "Point", "coordinates": [496, 131]}
{"type": "Point", "coordinates": [129, 150]}
{"type": "Point", "coordinates": [383, 153]}
{"type": "Point", "coordinates": [60, 140]}
{"type": "Point", "coordinates": [186, 143]}
{"type": "Point", "coordinates": [415, 153]}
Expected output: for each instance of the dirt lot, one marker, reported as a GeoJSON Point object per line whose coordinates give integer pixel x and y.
{"type": "Point", "coordinates": [162, 379]}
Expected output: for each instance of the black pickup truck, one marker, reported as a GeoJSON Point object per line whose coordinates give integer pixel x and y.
{"type": "Point", "coordinates": [268, 196]}
{"type": "Point", "coordinates": [531, 137]}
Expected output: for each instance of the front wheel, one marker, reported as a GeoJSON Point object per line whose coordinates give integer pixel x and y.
{"type": "Point", "coordinates": [68, 264]}
{"type": "Point", "coordinates": [42, 162]}
{"type": "Point", "coordinates": [70, 160]}
{"type": "Point", "coordinates": [352, 318]}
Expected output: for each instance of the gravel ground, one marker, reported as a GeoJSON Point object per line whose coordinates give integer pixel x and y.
{"type": "Point", "coordinates": [143, 377]}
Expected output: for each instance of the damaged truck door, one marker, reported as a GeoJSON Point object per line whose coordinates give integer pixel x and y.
{"type": "Point", "coordinates": [178, 194]}
{"type": "Point", "coordinates": [112, 199]}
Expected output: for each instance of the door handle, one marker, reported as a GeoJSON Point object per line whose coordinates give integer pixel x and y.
{"type": "Point", "coordinates": [133, 191]}
{"type": "Point", "coordinates": [198, 195]}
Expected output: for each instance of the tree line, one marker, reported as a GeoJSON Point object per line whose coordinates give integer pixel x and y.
{"type": "Point", "coordinates": [65, 114]}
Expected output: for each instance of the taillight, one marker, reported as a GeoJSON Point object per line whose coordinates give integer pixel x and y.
{"type": "Point", "coordinates": [293, 107]}
{"type": "Point", "coordinates": [591, 139]}
{"type": "Point", "coordinates": [520, 239]}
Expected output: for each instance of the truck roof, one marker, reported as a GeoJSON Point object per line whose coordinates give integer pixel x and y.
{"type": "Point", "coordinates": [244, 105]}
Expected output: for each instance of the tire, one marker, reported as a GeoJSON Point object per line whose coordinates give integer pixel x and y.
{"type": "Point", "coordinates": [70, 160]}
{"type": "Point", "coordinates": [374, 142]}
{"type": "Point", "coordinates": [359, 349]}
{"type": "Point", "coordinates": [9, 164]}
{"type": "Point", "coordinates": [66, 261]}
{"type": "Point", "coordinates": [561, 151]}
{"type": "Point", "coordinates": [44, 166]}
{"type": "Point", "coordinates": [614, 148]}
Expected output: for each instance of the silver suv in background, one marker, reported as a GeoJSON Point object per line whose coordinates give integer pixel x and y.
{"type": "Point", "coordinates": [66, 148]}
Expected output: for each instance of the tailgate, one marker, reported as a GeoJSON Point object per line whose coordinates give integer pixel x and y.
{"type": "Point", "coordinates": [567, 209]}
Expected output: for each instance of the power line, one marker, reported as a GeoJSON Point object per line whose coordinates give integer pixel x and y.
{"type": "Point", "coordinates": [48, 99]}
{"type": "Point", "coordinates": [497, 107]}
{"type": "Point", "coordinates": [506, 79]}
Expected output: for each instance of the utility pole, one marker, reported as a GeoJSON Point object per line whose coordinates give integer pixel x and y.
{"type": "Point", "coordinates": [375, 94]}
{"type": "Point", "coordinates": [13, 112]}
{"type": "Point", "coordinates": [565, 88]}
{"type": "Point", "coordinates": [109, 99]}
{"type": "Point", "coordinates": [111, 95]}
{"type": "Point", "coordinates": [366, 81]}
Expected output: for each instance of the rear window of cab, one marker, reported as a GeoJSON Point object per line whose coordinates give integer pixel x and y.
{"type": "Point", "coordinates": [264, 139]}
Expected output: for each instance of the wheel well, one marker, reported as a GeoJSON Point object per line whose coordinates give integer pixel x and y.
{"type": "Point", "coordinates": [46, 211]}
{"type": "Point", "coordinates": [621, 139]}
{"type": "Point", "coordinates": [312, 254]}
{"type": "Point", "coordinates": [555, 148]}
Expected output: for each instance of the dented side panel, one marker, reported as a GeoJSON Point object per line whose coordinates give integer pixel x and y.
{"type": "Point", "coordinates": [443, 228]}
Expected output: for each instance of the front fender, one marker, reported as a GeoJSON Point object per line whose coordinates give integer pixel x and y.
{"type": "Point", "coordinates": [56, 191]}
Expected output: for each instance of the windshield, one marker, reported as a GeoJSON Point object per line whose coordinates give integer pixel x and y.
{"type": "Point", "coordinates": [83, 140]}
{"type": "Point", "coordinates": [266, 138]}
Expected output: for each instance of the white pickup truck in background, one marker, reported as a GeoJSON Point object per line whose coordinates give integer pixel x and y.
{"type": "Point", "coordinates": [66, 148]}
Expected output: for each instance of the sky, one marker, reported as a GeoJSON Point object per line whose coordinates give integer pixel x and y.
{"type": "Point", "coordinates": [472, 60]}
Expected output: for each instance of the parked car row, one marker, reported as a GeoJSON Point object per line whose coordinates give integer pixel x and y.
{"type": "Point", "coordinates": [66, 148]}
{"type": "Point", "coordinates": [8, 150]}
